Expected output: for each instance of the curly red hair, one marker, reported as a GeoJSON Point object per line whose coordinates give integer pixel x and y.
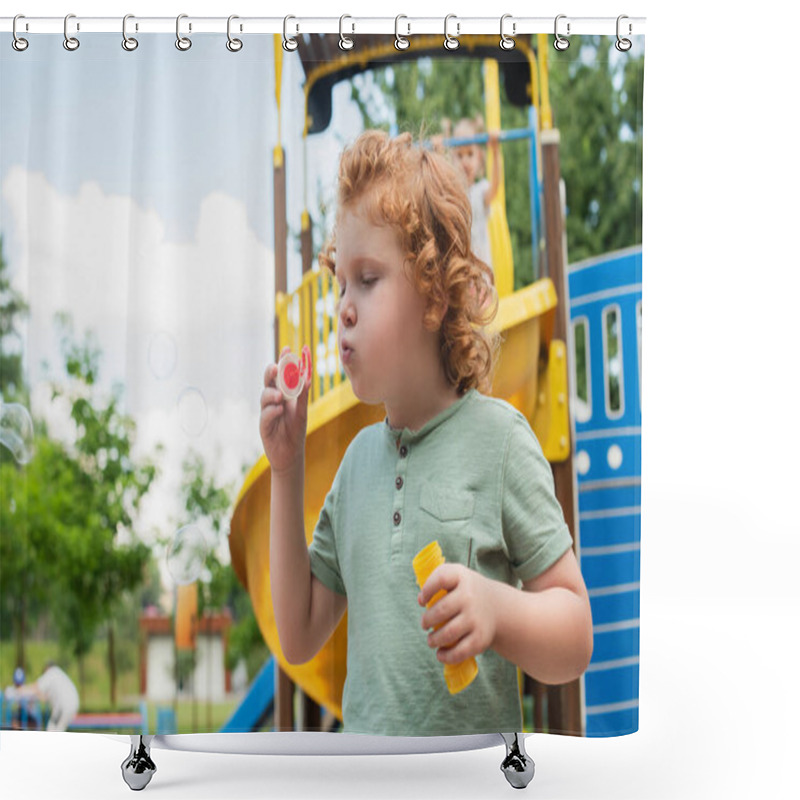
{"type": "Point", "coordinates": [421, 194]}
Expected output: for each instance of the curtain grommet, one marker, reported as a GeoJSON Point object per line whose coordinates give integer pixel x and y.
{"type": "Point", "coordinates": [128, 42]}
{"type": "Point", "coordinates": [400, 42]}
{"type": "Point", "coordinates": [507, 42]}
{"type": "Point", "coordinates": [183, 43]}
{"type": "Point", "coordinates": [18, 43]}
{"type": "Point", "coordinates": [623, 45]}
{"type": "Point", "coordinates": [345, 42]}
{"type": "Point", "coordinates": [233, 45]}
{"type": "Point", "coordinates": [71, 43]}
{"type": "Point", "coordinates": [560, 42]}
{"type": "Point", "coordinates": [451, 42]}
{"type": "Point", "coordinates": [289, 44]}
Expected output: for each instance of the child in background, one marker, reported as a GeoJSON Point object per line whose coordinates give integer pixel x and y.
{"type": "Point", "coordinates": [55, 687]}
{"type": "Point", "coordinates": [481, 190]}
{"type": "Point", "coordinates": [448, 463]}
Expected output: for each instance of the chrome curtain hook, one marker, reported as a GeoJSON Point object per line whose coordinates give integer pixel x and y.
{"type": "Point", "coordinates": [506, 42]}
{"type": "Point", "coordinates": [70, 42]}
{"type": "Point", "coordinates": [400, 42]}
{"type": "Point", "coordinates": [345, 43]}
{"type": "Point", "coordinates": [450, 42]}
{"type": "Point", "coordinates": [18, 43]}
{"type": "Point", "coordinates": [182, 42]}
{"type": "Point", "coordinates": [289, 44]}
{"type": "Point", "coordinates": [234, 45]}
{"type": "Point", "coordinates": [623, 45]}
{"type": "Point", "coordinates": [560, 43]}
{"type": "Point", "coordinates": [128, 42]}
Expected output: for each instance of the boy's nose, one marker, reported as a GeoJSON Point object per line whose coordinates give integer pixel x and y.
{"type": "Point", "coordinates": [347, 313]}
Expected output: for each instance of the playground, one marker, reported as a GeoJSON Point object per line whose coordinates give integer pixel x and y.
{"type": "Point", "coordinates": [571, 334]}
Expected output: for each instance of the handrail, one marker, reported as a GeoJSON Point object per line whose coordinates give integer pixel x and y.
{"type": "Point", "coordinates": [483, 138]}
{"type": "Point", "coordinates": [307, 316]}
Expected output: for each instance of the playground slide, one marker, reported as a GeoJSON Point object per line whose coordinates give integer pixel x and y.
{"type": "Point", "coordinates": [257, 703]}
{"type": "Point", "coordinates": [525, 319]}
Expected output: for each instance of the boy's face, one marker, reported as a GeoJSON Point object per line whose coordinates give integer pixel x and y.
{"type": "Point", "coordinates": [381, 334]}
{"type": "Point", "coordinates": [469, 158]}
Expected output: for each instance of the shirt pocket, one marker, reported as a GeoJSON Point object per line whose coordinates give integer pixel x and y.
{"type": "Point", "coordinates": [445, 516]}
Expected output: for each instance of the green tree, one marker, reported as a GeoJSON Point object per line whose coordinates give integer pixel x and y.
{"type": "Point", "coordinates": [597, 105]}
{"type": "Point", "coordinates": [101, 558]}
{"type": "Point", "coordinates": [41, 504]}
{"type": "Point", "coordinates": [16, 570]}
{"type": "Point", "coordinates": [12, 308]}
{"type": "Point", "coordinates": [209, 505]}
{"type": "Point", "coordinates": [596, 99]}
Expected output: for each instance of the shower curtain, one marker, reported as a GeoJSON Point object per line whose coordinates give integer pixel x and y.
{"type": "Point", "coordinates": [163, 208]}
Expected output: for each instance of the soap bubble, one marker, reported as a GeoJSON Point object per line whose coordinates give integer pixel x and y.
{"type": "Point", "coordinates": [192, 411]}
{"type": "Point", "coordinates": [187, 554]}
{"type": "Point", "coordinates": [16, 431]}
{"type": "Point", "coordinates": [162, 354]}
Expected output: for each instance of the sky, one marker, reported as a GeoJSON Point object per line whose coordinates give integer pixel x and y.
{"type": "Point", "coordinates": [136, 193]}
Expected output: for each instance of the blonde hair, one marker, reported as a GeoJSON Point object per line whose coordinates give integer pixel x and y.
{"type": "Point", "coordinates": [422, 196]}
{"type": "Point", "coordinates": [467, 128]}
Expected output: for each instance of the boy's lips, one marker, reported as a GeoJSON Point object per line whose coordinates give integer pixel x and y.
{"type": "Point", "coordinates": [347, 351]}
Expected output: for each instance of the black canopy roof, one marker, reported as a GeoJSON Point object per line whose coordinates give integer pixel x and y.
{"type": "Point", "coordinates": [325, 64]}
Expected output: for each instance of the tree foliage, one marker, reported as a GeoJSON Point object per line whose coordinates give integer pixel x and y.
{"type": "Point", "coordinates": [209, 505]}
{"type": "Point", "coordinates": [12, 308]}
{"type": "Point", "coordinates": [596, 99]}
{"type": "Point", "coordinates": [102, 555]}
{"type": "Point", "coordinates": [597, 106]}
{"type": "Point", "coordinates": [69, 548]}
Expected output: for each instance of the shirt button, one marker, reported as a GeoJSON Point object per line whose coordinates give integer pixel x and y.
{"type": "Point", "coordinates": [403, 451]}
{"type": "Point", "coordinates": [396, 517]}
{"type": "Point", "coordinates": [399, 482]}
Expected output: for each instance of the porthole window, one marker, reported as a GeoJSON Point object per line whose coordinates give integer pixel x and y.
{"type": "Point", "coordinates": [581, 377]}
{"type": "Point", "coordinates": [612, 362]}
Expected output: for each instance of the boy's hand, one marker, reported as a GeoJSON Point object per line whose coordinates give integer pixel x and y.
{"type": "Point", "coordinates": [282, 424]}
{"type": "Point", "coordinates": [494, 139]}
{"type": "Point", "coordinates": [463, 620]}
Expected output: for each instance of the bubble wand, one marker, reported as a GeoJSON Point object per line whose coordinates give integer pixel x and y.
{"type": "Point", "coordinates": [294, 372]}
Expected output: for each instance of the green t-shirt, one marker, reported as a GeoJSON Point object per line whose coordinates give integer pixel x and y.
{"type": "Point", "coordinates": [473, 478]}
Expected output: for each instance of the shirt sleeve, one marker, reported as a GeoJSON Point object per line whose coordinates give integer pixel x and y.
{"type": "Point", "coordinates": [534, 529]}
{"type": "Point", "coordinates": [322, 550]}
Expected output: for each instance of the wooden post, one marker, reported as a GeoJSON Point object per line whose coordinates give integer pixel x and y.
{"type": "Point", "coordinates": [280, 227]}
{"type": "Point", "coordinates": [284, 703]}
{"type": "Point", "coordinates": [306, 243]}
{"type": "Point", "coordinates": [564, 702]}
{"type": "Point", "coordinates": [284, 694]}
{"type": "Point", "coordinates": [312, 714]}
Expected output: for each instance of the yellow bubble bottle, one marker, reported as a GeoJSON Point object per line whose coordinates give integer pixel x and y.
{"type": "Point", "coordinates": [457, 676]}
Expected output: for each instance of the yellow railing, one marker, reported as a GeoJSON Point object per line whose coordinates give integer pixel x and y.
{"type": "Point", "coordinates": [307, 316]}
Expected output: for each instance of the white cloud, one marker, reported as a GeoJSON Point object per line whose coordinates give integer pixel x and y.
{"type": "Point", "coordinates": [169, 317]}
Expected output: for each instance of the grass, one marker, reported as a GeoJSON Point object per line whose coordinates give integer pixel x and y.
{"type": "Point", "coordinates": [95, 696]}
{"type": "Point", "coordinates": [96, 692]}
{"type": "Point", "coordinates": [194, 721]}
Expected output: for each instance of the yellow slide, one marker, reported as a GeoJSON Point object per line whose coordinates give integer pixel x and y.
{"type": "Point", "coordinates": [533, 385]}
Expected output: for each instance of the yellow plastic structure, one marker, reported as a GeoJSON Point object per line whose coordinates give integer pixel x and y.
{"type": "Point", "coordinates": [305, 317]}
{"type": "Point", "coordinates": [499, 234]}
{"type": "Point", "coordinates": [457, 676]}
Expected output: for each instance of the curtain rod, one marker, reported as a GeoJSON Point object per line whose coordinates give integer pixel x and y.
{"type": "Point", "coordinates": [298, 25]}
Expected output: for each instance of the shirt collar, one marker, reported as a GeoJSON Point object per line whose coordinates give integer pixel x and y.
{"type": "Point", "coordinates": [404, 435]}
